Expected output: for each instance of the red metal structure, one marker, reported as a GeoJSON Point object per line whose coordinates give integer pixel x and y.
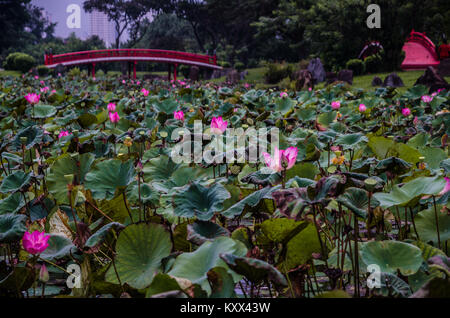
{"type": "Point", "coordinates": [133, 56]}
{"type": "Point", "coordinates": [420, 52]}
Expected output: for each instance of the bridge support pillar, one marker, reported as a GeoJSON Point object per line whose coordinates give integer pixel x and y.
{"type": "Point", "coordinates": [93, 69]}
{"type": "Point", "coordinates": [169, 74]}
{"type": "Point", "coordinates": [175, 72]}
{"type": "Point", "coordinates": [134, 70]}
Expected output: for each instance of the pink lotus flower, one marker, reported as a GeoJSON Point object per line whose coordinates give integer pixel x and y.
{"type": "Point", "coordinates": [111, 107]}
{"type": "Point", "coordinates": [45, 89]}
{"type": "Point", "coordinates": [144, 92]}
{"type": "Point", "coordinates": [36, 77]}
{"type": "Point", "coordinates": [362, 108]}
{"type": "Point", "coordinates": [123, 82]}
{"type": "Point", "coordinates": [218, 126]}
{"type": "Point", "coordinates": [416, 120]}
{"type": "Point", "coordinates": [336, 105]}
{"type": "Point", "coordinates": [53, 91]}
{"type": "Point", "coordinates": [447, 186]}
{"type": "Point", "coordinates": [114, 117]}
{"type": "Point", "coordinates": [282, 158]}
{"type": "Point", "coordinates": [63, 133]}
{"type": "Point", "coordinates": [178, 115]}
{"type": "Point", "coordinates": [42, 82]}
{"type": "Point", "coordinates": [283, 95]}
{"type": "Point", "coordinates": [33, 98]}
{"type": "Point", "coordinates": [247, 85]}
{"type": "Point", "coordinates": [36, 242]}
{"type": "Point", "coordinates": [406, 111]}
{"type": "Point", "coordinates": [310, 89]}
{"type": "Point", "coordinates": [138, 83]}
{"type": "Point", "coordinates": [427, 99]}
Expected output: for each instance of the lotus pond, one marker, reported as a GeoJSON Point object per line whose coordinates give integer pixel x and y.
{"type": "Point", "coordinates": [93, 203]}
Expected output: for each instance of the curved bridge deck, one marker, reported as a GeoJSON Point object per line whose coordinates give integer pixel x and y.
{"type": "Point", "coordinates": [131, 55]}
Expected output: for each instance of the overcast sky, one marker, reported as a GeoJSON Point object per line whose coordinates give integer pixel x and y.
{"type": "Point", "coordinates": [57, 11]}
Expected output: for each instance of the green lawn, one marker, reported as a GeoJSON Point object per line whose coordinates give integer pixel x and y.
{"type": "Point", "coordinates": [4, 73]}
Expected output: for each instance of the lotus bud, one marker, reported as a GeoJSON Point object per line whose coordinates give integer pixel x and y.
{"type": "Point", "coordinates": [245, 126]}
{"type": "Point", "coordinates": [370, 184]}
{"type": "Point", "coordinates": [43, 274]}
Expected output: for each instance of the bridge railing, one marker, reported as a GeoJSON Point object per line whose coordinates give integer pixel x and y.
{"type": "Point", "coordinates": [130, 53]}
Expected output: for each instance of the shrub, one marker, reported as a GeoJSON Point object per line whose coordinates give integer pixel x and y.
{"type": "Point", "coordinates": [75, 72]}
{"type": "Point", "coordinates": [303, 64]}
{"type": "Point", "coordinates": [276, 72]}
{"type": "Point", "coordinates": [239, 66]}
{"type": "Point", "coordinates": [373, 64]}
{"type": "Point", "coordinates": [19, 62]}
{"type": "Point", "coordinates": [356, 65]}
{"type": "Point", "coordinates": [42, 70]}
{"type": "Point", "coordinates": [225, 64]}
{"type": "Point", "coordinates": [184, 70]}
{"type": "Point", "coordinates": [252, 63]}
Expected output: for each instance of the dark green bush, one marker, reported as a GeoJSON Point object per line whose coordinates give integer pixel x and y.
{"type": "Point", "coordinates": [19, 62]}
{"type": "Point", "coordinates": [356, 65]}
{"type": "Point", "coordinates": [225, 64]}
{"type": "Point", "coordinates": [373, 64]}
{"type": "Point", "coordinates": [275, 72]}
{"type": "Point", "coordinates": [43, 70]}
{"type": "Point", "coordinates": [185, 70]}
{"type": "Point", "coordinates": [239, 66]}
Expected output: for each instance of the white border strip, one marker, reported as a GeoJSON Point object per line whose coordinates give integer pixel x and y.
{"type": "Point", "coordinates": [137, 58]}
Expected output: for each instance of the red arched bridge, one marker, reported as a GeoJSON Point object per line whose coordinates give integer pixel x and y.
{"type": "Point", "coordinates": [132, 56]}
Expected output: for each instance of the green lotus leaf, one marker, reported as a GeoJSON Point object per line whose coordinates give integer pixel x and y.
{"type": "Point", "coordinates": [325, 119]}
{"type": "Point", "coordinates": [12, 203]}
{"type": "Point", "coordinates": [255, 270]}
{"type": "Point", "coordinates": [140, 249]}
{"type": "Point", "coordinates": [284, 105]}
{"type": "Point", "coordinates": [12, 227]}
{"type": "Point", "coordinates": [426, 225]}
{"type": "Point", "coordinates": [87, 120]}
{"type": "Point", "coordinates": [202, 231]}
{"type": "Point", "coordinates": [195, 266]}
{"type": "Point", "coordinates": [33, 134]}
{"type": "Point", "coordinates": [107, 176]}
{"type": "Point", "coordinates": [433, 156]}
{"type": "Point", "coordinates": [222, 283]}
{"type": "Point", "coordinates": [393, 285]}
{"type": "Point", "coordinates": [445, 165]}
{"type": "Point", "coordinates": [261, 178]}
{"type": "Point", "coordinates": [300, 248]}
{"type": "Point", "coordinates": [251, 200]}
{"type": "Point", "coordinates": [160, 168]}
{"type": "Point", "coordinates": [436, 288]}
{"type": "Point", "coordinates": [162, 283]}
{"type": "Point", "coordinates": [391, 256]}
{"type": "Point", "coordinates": [67, 165]}
{"type": "Point", "coordinates": [303, 170]}
{"type": "Point", "coordinates": [202, 202]}
{"type": "Point", "coordinates": [98, 237]}
{"type": "Point", "coordinates": [357, 201]}
{"type": "Point", "coordinates": [44, 111]}
{"type": "Point", "coordinates": [410, 192]}
{"type": "Point", "coordinates": [15, 182]}
{"type": "Point", "coordinates": [58, 247]}
{"type": "Point", "coordinates": [350, 141]}
{"type": "Point", "coordinates": [148, 194]}
{"type": "Point", "coordinates": [394, 165]}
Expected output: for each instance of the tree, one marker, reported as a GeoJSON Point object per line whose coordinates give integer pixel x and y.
{"type": "Point", "coordinates": [22, 24]}
{"type": "Point", "coordinates": [126, 15]}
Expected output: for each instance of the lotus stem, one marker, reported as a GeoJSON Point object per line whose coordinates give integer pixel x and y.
{"type": "Point", "coordinates": [437, 222]}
